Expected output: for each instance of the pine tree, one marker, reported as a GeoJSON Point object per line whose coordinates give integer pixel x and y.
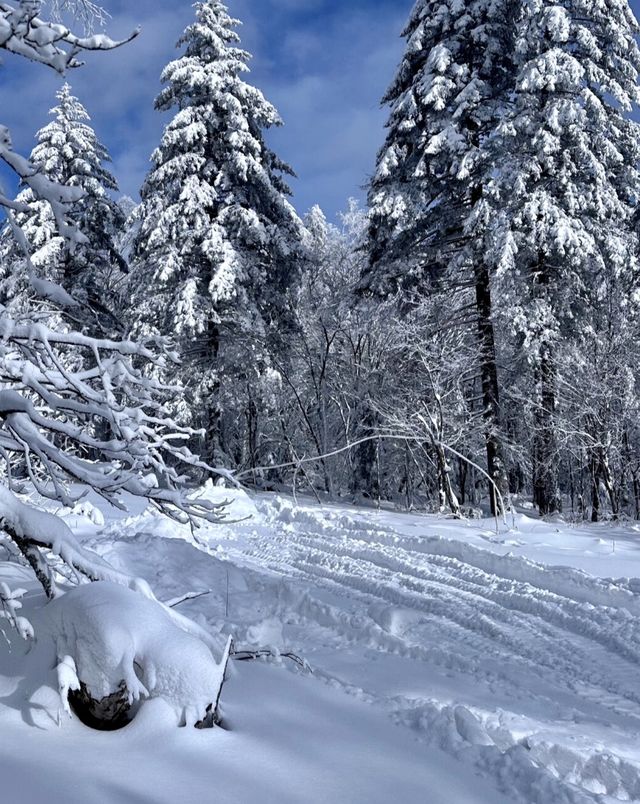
{"type": "Point", "coordinates": [218, 242]}
{"type": "Point", "coordinates": [428, 196]}
{"type": "Point", "coordinates": [69, 153]}
{"type": "Point", "coordinates": [564, 198]}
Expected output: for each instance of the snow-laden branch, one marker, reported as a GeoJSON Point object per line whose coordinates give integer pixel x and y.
{"type": "Point", "coordinates": [22, 32]}
{"type": "Point", "coordinates": [10, 605]}
{"type": "Point", "coordinates": [44, 531]}
{"type": "Point", "coordinates": [59, 197]}
{"type": "Point", "coordinates": [109, 415]}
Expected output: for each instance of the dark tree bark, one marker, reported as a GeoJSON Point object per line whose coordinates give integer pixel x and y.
{"type": "Point", "coordinates": [108, 714]}
{"type": "Point", "coordinates": [545, 486]}
{"type": "Point", "coordinates": [210, 419]}
{"type": "Point", "coordinates": [364, 479]}
{"type": "Point", "coordinates": [490, 388]}
{"type": "Point", "coordinates": [594, 471]}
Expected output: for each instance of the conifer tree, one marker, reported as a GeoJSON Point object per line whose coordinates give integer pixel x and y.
{"type": "Point", "coordinates": [218, 241]}
{"type": "Point", "coordinates": [564, 198]}
{"type": "Point", "coordinates": [69, 153]}
{"type": "Point", "coordinates": [428, 196]}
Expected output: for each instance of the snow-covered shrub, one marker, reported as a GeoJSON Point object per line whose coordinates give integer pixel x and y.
{"type": "Point", "coordinates": [113, 643]}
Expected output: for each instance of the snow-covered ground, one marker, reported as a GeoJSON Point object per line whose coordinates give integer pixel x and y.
{"type": "Point", "coordinates": [448, 664]}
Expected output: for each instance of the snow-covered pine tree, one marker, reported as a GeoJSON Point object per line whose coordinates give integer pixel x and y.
{"type": "Point", "coordinates": [564, 197]}
{"type": "Point", "coordinates": [427, 198]}
{"type": "Point", "coordinates": [69, 154]}
{"type": "Point", "coordinates": [219, 243]}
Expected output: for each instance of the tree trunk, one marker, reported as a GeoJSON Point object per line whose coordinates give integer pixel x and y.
{"type": "Point", "coordinates": [445, 483]}
{"type": "Point", "coordinates": [545, 486]}
{"type": "Point", "coordinates": [609, 483]}
{"type": "Point", "coordinates": [463, 473]}
{"type": "Point", "coordinates": [364, 479]}
{"type": "Point", "coordinates": [211, 415]}
{"type": "Point", "coordinates": [594, 471]}
{"type": "Point", "coordinates": [490, 389]}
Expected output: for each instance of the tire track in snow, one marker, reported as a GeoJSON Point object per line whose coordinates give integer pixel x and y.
{"type": "Point", "coordinates": [577, 633]}
{"type": "Point", "coordinates": [513, 618]}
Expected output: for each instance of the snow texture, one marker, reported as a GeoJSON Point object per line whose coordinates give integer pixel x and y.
{"type": "Point", "coordinates": [450, 663]}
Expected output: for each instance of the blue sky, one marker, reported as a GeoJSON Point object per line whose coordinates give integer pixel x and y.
{"type": "Point", "coordinates": [323, 63]}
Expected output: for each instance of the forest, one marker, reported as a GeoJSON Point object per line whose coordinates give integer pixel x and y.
{"type": "Point", "coordinates": [468, 337]}
{"type": "Point", "coordinates": [207, 365]}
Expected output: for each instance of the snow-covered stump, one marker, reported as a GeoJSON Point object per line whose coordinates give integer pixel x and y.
{"type": "Point", "coordinates": [110, 713]}
{"type": "Point", "coordinates": [117, 648]}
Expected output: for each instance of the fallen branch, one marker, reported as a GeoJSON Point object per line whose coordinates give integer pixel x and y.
{"type": "Point", "coordinates": [176, 601]}
{"type": "Point", "coordinates": [383, 437]}
{"type": "Point", "coordinates": [269, 653]}
{"type": "Point", "coordinates": [213, 717]}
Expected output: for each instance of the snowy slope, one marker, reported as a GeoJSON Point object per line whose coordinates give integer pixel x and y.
{"type": "Point", "coordinates": [450, 664]}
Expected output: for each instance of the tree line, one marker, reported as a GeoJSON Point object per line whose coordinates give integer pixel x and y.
{"type": "Point", "coordinates": [469, 338]}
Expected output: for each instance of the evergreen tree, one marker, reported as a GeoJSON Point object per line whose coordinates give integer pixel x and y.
{"type": "Point", "coordinates": [218, 241]}
{"type": "Point", "coordinates": [428, 196]}
{"type": "Point", "coordinates": [564, 198]}
{"type": "Point", "coordinates": [69, 153]}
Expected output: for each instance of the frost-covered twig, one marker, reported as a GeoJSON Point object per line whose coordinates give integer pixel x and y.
{"type": "Point", "coordinates": [247, 655]}
{"type": "Point", "coordinates": [10, 605]}
{"type": "Point", "coordinates": [177, 601]}
{"type": "Point", "coordinates": [88, 13]}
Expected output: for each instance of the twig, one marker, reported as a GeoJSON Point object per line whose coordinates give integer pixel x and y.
{"type": "Point", "coordinates": [212, 716]}
{"type": "Point", "coordinates": [269, 653]}
{"type": "Point", "coordinates": [176, 601]}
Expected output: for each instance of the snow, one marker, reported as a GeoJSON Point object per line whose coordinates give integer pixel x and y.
{"type": "Point", "coordinates": [449, 663]}
{"type": "Point", "coordinates": [50, 43]}
{"type": "Point", "coordinates": [115, 634]}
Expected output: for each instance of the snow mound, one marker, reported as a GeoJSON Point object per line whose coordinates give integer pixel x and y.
{"type": "Point", "coordinates": [114, 635]}
{"type": "Point", "coordinates": [86, 510]}
{"type": "Point", "coordinates": [240, 505]}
